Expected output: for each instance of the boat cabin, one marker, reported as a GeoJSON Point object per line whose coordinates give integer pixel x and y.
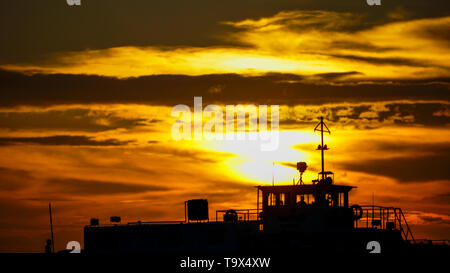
{"type": "Point", "coordinates": [303, 204]}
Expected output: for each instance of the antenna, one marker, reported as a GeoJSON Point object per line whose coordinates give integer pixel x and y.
{"type": "Point", "coordinates": [273, 173]}
{"type": "Point", "coordinates": [51, 225]}
{"type": "Point", "coordinates": [322, 147]}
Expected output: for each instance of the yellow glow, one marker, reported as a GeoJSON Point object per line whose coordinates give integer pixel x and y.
{"type": "Point", "coordinates": [281, 43]}
{"type": "Point", "coordinates": [253, 165]}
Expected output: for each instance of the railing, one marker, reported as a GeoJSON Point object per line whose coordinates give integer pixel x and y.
{"type": "Point", "coordinates": [137, 223]}
{"type": "Point", "coordinates": [156, 222]}
{"type": "Point", "coordinates": [243, 215]}
{"type": "Point", "coordinates": [387, 218]}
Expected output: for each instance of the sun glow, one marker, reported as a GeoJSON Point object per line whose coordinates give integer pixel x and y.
{"type": "Point", "coordinates": [253, 165]}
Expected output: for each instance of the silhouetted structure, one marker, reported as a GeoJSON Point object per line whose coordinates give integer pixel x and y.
{"type": "Point", "coordinates": [287, 218]}
{"type": "Point", "coordinates": [48, 246]}
{"type": "Point", "coordinates": [51, 229]}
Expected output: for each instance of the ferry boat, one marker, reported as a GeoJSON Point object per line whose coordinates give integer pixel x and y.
{"type": "Point", "coordinates": [301, 217]}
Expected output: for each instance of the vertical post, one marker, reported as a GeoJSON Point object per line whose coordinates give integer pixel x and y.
{"type": "Point", "coordinates": [367, 218]}
{"type": "Point", "coordinates": [382, 217]}
{"type": "Point", "coordinates": [51, 226]}
{"type": "Point", "coordinates": [321, 135]}
{"type": "Point", "coordinates": [273, 183]}
{"type": "Point", "coordinates": [185, 213]}
{"type": "Point", "coordinates": [273, 173]}
{"type": "Point", "coordinates": [321, 146]}
{"type": "Point", "coordinates": [387, 215]}
{"type": "Point", "coordinates": [257, 203]}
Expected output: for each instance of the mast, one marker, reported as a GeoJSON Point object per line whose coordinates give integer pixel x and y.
{"type": "Point", "coordinates": [322, 147]}
{"type": "Point", "coordinates": [51, 225]}
{"type": "Point", "coordinates": [273, 173]}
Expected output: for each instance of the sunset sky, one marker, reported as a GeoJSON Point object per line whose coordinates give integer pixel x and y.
{"type": "Point", "coordinates": [86, 94]}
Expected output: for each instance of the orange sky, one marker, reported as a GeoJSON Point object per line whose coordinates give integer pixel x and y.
{"type": "Point", "coordinates": [88, 126]}
{"type": "Point", "coordinates": [145, 175]}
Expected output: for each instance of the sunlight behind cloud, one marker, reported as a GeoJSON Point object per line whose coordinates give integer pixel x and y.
{"type": "Point", "coordinates": [252, 164]}
{"type": "Point", "coordinates": [300, 42]}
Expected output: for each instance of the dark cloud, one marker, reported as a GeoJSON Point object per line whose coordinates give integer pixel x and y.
{"type": "Point", "coordinates": [336, 75]}
{"type": "Point", "coordinates": [368, 47]}
{"type": "Point", "coordinates": [385, 61]}
{"type": "Point", "coordinates": [423, 113]}
{"type": "Point", "coordinates": [363, 116]}
{"type": "Point", "coordinates": [434, 219]}
{"type": "Point", "coordinates": [75, 119]}
{"type": "Point", "coordinates": [187, 154]}
{"type": "Point", "coordinates": [49, 26]}
{"type": "Point", "coordinates": [288, 164]}
{"type": "Point", "coordinates": [19, 89]}
{"type": "Point", "coordinates": [438, 199]}
{"type": "Point", "coordinates": [429, 162]}
{"type": "Point", "coordinates": [438, 32]}
{"type": "Point", "coordinates": [62, 140]}
{"type": "Point", "coordinates": [294, 165]}
{"type": "Point", "coordinates": [95, 187]}
{"type": "Point", "coordinates": [17, 179]}
{"type": "Point", "coordinates": [420, 168]}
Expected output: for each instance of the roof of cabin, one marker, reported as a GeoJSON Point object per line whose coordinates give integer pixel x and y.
{"type": "Point", "coordinates": [309, 188]}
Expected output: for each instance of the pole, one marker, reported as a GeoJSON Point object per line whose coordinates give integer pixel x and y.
{"type": "Point", "coordinates": [321, 146]}
{"type": "Point", "coordinates": [51, 226]}
{"type": "Point", "coordinates": [323, 161]}
{"type": "Point", "coordinates": [257, 203]}
{"type": "Point", "coordinates": [273, 173]}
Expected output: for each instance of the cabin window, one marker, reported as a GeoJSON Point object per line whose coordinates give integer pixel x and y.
{"type": "Point", "coordinates": [282, 199]}
{"type": "Point", "coordinates": [307, 198]}
{"type": "Point", "coordinates": [272, 200]}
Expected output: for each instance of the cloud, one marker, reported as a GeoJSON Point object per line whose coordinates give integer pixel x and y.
{"type": "Point", "coordinates": [33, 186]}
{"type": "Point", "coordinates": [72, 119]}
{"type": "Point", "coordinates": [443, 198]}
{"type": "Point", "coordinates": [422, 163]}
{"type": "Point", "coordinates": [301, 21]}
{"type": "Point", "coordinates": [368, 115]}
{"type": "Point", "coordinates": [434, 219]}
{"type": "Point", "coordinates": [286, 33]}
{"type": "Point", "coordinates": [286, 42]}
{"type": "Point", "coordinates": [94, 187]}
{"type": "Point", "coordinates": [170, 90]}
{"type": "Point", "coordinates": [90, 26]}
{"type": "Point", "coordinates": [62, 140]}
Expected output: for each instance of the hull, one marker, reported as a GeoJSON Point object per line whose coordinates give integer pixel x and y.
{"type": "Point", "coordinates": [221, 238]}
